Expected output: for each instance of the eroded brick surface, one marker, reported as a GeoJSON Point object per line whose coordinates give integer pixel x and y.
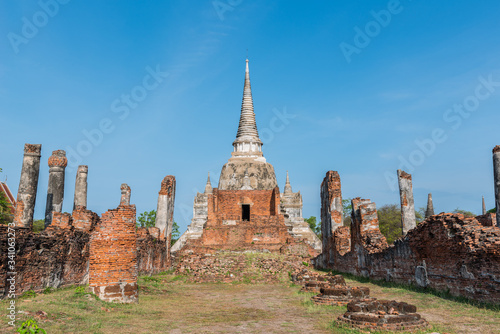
{"type": "Point", "coordinates": [382, 315]}
{"type": "Point", "coordinates": [446, 252]}
{"type": "Point", "coordinates": [237, 267]}
{"type": "Point", "coordinates": [152, 251]}
{"type": "Point", "coordinates": [59, 256]}
{"type": "Point", "coordinates": [113, 256]}
{"type": "Point", "coordinates": [336, 295]}
{"type": "Point", "coordinates": [331, 211]}
{"type": "Point", "coordinates": [61, 220]}
{"type": "Point", "coordinates": [55, 258]}
{"type": "Point", "coordinates": [84, 219]}
{"type": "Point", "coordinates": [226, 228]}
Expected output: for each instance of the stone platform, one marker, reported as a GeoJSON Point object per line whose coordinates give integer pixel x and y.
{"type": "Point", "coordinates": [341, 295]}
{"type": "Point", "coordinates": [387, 315]}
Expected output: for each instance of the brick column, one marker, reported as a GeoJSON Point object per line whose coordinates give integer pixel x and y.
{"type": "Point", "coordinates": [113, 256]}
{"type": "Point", "coordinates": [125, 199]}
{"type": "Point", "coordinates": [55, 190]}
{"type": "Point", "coordinates": [26, 195]}
{"type": "Point", "coordinates": [408, 219]}
{"type": "Point", "coordinates": [165, 208]}
{"type": "Point", "coordinates": [496, 175]}
{"type": "Point", "coordinates": [430, 207]}
{"type": "Point", "coordinates": [81, 187]}
{"type": "Point", "coordinates": [331, 207]}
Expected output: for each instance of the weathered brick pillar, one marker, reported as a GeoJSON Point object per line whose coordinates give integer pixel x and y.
{"type": "Point", "coordinates": [356, 219]}
{"type": "Point", "coordinates": [113, 256]}
{"type": "Point", "coordinates": [165, 208]}
{"type": "Point", "coordinates": [55, 190]}
{"type": "Point", "coordinates": [484, 207]}
{"type": "Point", "coordinates": [26, 195]}
{"type": "Point", "coordinates": [125, 199]}
{"type": "Point", "coordinates": [408, 219]}
{"type": "Point", "coordinates": [430, 207]}
{"type": "Point", "coordinates": [496, 175]}
{"type": "Point", "coordinates": [331, 207]}
{"type": "Point", "coordinates": [81, 187]}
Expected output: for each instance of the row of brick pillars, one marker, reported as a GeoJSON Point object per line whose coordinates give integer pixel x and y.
{"type": "Point", "coordinates": [28, 185]}
{"type": "Point", "coordinates": [331, 201]}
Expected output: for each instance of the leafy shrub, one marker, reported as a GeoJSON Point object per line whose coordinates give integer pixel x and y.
{"type": "Point", "coordinates": [29, 294]}
{"type": "Point", "coordinates": [30, 327]}
{"type": "Point", "coordinates": [80, 291]}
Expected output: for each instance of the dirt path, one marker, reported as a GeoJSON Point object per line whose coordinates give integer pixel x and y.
{"type": "Point", "coordinates": [242, 309]}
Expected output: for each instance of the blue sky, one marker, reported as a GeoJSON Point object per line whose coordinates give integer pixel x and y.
{"type": "Point", "coordinates": [363, 88]}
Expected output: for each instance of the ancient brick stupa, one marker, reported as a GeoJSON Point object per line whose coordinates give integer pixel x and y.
{"type": "Point", "coordinates": [247, 211]}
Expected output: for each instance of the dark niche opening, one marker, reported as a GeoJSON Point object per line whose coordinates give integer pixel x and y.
{"type": "Point", "coordinates": [245, 212]}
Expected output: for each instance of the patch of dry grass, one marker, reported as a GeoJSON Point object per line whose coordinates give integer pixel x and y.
{"type": "Point", "coordinates": [168, 304]}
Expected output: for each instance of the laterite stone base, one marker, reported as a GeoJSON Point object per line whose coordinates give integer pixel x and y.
{"type": "Point", "coordinates": [383, 315]}
{"type": "Point", "coordinates": [341, 295]}
{"type": "Point", "coordinates": [122, 293]}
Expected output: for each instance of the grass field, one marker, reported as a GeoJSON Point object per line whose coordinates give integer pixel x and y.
{"type": "Point", "coordinates": [170, 305]}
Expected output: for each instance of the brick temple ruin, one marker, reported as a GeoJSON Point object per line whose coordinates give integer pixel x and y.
{"type": "Point", "coordinates": [247, 212]}
{"type": "Point", "coordinates": [445, 252]}
{"type": "Point", "coordinates": [106, 252]}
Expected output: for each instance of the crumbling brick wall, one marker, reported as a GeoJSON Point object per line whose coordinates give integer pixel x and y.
{"type": "Point", "coordinates": [83, 219]}
{"type": "Point", "coordinates": [446, 252]}
{"type": "Point", "coordinates": [59, 256]}
{"type": "Point", "coordinates": [54, 258]}
{"type": "Point", "coordinates": [262, 202]}
{"type": "Point", "coordinates": [488, 219]}
{"type": "Point", "coordinates": [60, 220]}
{"type": "Point", "coordinates": [365, 230]}
{"type": "Point", "coordinates": [225, 228]}
{"type": "Point", "coordinates": [152, 251]}
{"type": "Point", "coordinates": [113, 256]}
{"type": "Point", "coordinates": [331, 212]}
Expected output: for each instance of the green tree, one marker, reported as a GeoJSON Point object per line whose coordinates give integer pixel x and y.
{"type": "Point", "coordinates": [346, 211]}
{"type": "Point", "coordinates": [147, 219]}
{"type": "Point", "coordinates": [38, 225]}
{"type": "Point", "coordinates": [5, 214]}
{"type": "Point", "coordinates": [420, 215]}
{"type": "Point", "coordinates": [315, 227]}
{"type": "Point", "coordinates": [175, 233]}
{"type": "Point", "coordinates": [389, 220]}
{"type": "Point", "coordinates": [5, 209]}
{"type": "Point", "coordinates": [467, 214]}
{"type": "Point", "coordinates": [494, 210]}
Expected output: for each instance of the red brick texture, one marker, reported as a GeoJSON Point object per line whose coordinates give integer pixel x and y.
{"type": "Point", "coordinates": [446, 252]}
{"type": "Point", "coordinates": [113, 256]}
{"type": "Point", "coordinates": [59, 256]}
{"type": "Point", "coordinates": [61, 220]}
{"type": "Point", "coordinates": [58, 159]}
{"type": "Point", "coordinates": [83, 219]}
{"type": "Point", "coordinates": [226, 230]}
{"type": "Point", "coordinates": [228, 203]}
{"type": "Point", "coordinates": [168, 186]}
{"type": "Point", "coordinates": [364, 226]}
{"type": "Point", "coordinates": [387, 315]}
{"type": "Point", "coordinates": [56, 257]}
{"type": "Point", "coordinates": [152, 252]}
{"type": "Point", "coordinates": [331, 211]}
{"type": "Point", "coordinates": [19, 214]}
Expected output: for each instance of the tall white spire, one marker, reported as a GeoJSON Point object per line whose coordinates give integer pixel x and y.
{"type": "Point", "coordinates": [247, 143]}
{"type": "Point", "coordinates": [208, 186]}
{"type": "Point", "coordinates": [288, 186]}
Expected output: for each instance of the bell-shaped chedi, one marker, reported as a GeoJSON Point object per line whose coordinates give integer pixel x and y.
{"type": "Point", "coordinates": [247, 156]}
{"type": "Point", "coordinates": [247, 211]}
